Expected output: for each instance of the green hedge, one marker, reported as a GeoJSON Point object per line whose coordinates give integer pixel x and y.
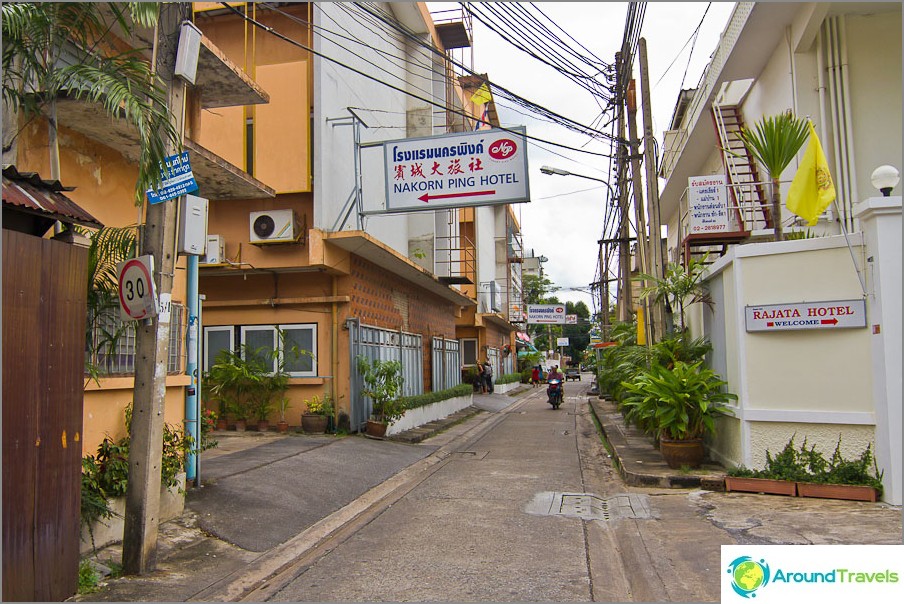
{"type": "Point", "coordinates": [509, 378]}
{"type": "Point", "coordinates": [428, 398]}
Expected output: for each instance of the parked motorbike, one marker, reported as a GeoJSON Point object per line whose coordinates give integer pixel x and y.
{"type": "Point", "coordinates": [554, 392]}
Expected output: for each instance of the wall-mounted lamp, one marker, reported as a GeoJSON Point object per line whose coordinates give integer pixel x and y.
{"type": "Point", "coordinates": [885, 178]}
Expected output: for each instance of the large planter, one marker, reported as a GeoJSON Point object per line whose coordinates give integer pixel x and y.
{"type": "Point", "coordinates": [761, 485]}
{"type": "Point", "coordinates": [852, 492]}
{"type": "Point", "coordinates": [375, 429]}
{"type": "Point", "coordinates": [679, 453]}
{"type": "Point", "coordinates": [313, 423]}
{"type": "Point", "coordinates": [240, 425]}
{"type": "Point", "coordinates": [263, 425]}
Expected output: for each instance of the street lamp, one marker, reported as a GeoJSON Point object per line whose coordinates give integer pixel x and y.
{"type": "Point", "coordinates": [560, 172]}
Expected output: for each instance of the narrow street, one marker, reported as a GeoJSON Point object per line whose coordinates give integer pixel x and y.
{"type": "Point", "coordinates": [503, 519]}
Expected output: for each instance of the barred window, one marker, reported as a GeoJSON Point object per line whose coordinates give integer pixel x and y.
{"type": "Point", "coordinates": [114, 343]}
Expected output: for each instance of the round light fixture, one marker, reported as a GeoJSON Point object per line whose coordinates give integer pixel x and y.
{"type": "Point", "coordinates": [885, 178]}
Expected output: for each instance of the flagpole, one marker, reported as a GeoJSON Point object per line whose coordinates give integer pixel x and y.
{"type": "Point", "coordinates": [850, 249]}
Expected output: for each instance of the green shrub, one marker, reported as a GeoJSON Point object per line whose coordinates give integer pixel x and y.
{"type": "Point", "coordinates": [428, 398]}
{"type": "Point", "coordinates": [809, 465]}
{"type": "Point", "coordinates": [511, 378]}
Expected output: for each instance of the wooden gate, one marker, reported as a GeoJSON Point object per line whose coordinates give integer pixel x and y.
{"type": "Point", "coordinates": [44, 307]}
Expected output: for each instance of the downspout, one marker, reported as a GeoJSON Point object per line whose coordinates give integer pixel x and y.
{"type": "Point", "coordinates": [848, 123]}
{"type": "Point", "coordinates": [334, 352]}
{"type": "Point", "coordinates": [821, 90]}
{"type": "Point", "coordinates": [192, 411]}
{"type": "Point", "coordinates": [835, 94]}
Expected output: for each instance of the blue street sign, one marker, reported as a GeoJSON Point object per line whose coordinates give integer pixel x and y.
{"type": "Point", "coordinates": [177, 179]}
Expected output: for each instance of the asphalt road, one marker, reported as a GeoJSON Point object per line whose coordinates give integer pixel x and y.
{"type": "Point", "coordinates": [528, 510]}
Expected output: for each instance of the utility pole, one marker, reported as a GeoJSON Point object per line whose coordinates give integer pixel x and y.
{"type": "Point", "coordinates": [657, 264]}
{"type": "Point", "coordinates": [624, 249]}
{"type": "Point", "coordinates": [643, 242]}
{"type": "Point", "coordinates": [142, 518]}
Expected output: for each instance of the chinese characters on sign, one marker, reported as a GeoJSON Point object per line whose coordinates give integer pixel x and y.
{"type": "Point", "coordinates": [485, 167]}
{"type": "Point", "coordinates": [177, 177]}
{"type": "Point", "coordinates": [546, 314]}
{"type": "Point", "coordinates": [808, 315]}
{"type": "Point", "coordinates": [708, 204]}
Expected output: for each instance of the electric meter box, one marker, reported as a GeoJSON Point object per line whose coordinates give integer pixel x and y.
{"type": "Point", "coordinates": [193, 226]}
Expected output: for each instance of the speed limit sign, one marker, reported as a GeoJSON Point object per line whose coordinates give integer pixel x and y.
{"type": "Point", "coordinates": [137, 296]}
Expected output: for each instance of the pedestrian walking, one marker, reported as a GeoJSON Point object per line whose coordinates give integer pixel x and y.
{"type": "Point", "coordinates": [535, 376]}
{"type": "Point", "coordinates": [488, 377]}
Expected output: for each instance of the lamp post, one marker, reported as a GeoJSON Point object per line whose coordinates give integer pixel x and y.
{"type": "Point", "coordinates": [884, 178]}
{"type": "Point", "coordinates": [625, 276]}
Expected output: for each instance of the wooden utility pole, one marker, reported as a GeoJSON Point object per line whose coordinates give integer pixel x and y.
{"type": "Point", "coordinates": [657, 265]}
{"type": "Point", "coordinates": [643, 242]}
{"type": "Point", "coordinates": [139, 543]}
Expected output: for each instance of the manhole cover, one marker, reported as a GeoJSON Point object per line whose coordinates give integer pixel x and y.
{"type": "Point", "coordinates": [588, 506]}
{"type": "Point", "coordinates": [470, 454]}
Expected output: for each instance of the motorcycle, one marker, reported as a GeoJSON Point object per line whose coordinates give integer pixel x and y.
{"type": "Point", "coordinates": [554, 392]}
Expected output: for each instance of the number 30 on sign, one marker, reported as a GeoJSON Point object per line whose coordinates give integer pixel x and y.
{"type": "Point", "coordinates": [137, 296]}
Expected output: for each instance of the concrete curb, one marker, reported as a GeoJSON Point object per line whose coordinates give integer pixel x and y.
{"type": "Point", "coordinates": [631, 451]}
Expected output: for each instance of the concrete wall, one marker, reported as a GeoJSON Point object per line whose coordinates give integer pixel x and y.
{"type": "Point", "coordinates": [816, 383]}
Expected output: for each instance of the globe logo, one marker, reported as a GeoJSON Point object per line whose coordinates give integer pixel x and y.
{"type": "Point", "coordinates": [748, 575]}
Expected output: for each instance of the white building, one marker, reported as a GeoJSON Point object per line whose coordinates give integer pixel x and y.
{"type": "Point", "coordinates": [839, 64]}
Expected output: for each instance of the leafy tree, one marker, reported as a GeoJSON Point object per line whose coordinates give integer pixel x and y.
{"type": "Point", "coordinates": [680, 287]}
{"type": "Point", "coordinates": [774, 142]}
{"type": "Point", "coordinates": [52, 48]}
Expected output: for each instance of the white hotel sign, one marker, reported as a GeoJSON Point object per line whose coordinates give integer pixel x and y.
{"type": "Point", "coordinates": [546, 314]}
{"type": "Point", "coordinates": [807, 315]}
{"type": "Point", "coordinates": [484, 167]}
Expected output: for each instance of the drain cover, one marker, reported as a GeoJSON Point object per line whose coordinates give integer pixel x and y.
{"type": "Point", "coordinates": [588, 506]}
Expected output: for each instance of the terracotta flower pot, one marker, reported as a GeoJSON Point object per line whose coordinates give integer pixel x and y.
{"type": "Point", "coordinates": [222, 424]}
{"type": "Point", "coordinates": [678, 453]}
{"type": "Point", "coordinates": [768, 486]}
{"type": "Point", "coordinates": [375, 429]}
{"type": "Point", "coordinates": [282, 426]}
{"type": "Point", "coordinates": [313, 423]}
{"type": "Point", "coordinates": [239, 425]}
{"type": "Point", "coordinates": [263, 425]}
{"type": "Point", "coordinates": [851, 492]}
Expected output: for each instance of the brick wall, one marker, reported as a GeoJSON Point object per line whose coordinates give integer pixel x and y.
{"type": "Point", "coordinates": [382, 299]}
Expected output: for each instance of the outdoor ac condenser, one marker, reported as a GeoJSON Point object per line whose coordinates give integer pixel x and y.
{"type": "Point", "coordinates": [273, 226]}
{"type": "Point", "coordinates": [215, 249]}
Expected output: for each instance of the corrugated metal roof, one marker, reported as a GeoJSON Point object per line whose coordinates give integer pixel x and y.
{"type": "Point", "coordinates": [30, 193]}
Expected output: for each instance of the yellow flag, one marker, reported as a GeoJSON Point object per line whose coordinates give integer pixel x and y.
{"type": "Point", "coordinates": [812, 189]}
{"type": "Point", "coordinates": [482, 96]}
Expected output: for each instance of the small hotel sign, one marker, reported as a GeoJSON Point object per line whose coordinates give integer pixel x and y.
{"type": "Point", "coordinates": [808, 315]}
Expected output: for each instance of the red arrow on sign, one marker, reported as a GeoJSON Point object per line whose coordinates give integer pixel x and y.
{"type": "Point", "coordinates": [426, 197]}
{"type": "Point", "coordinates": [829, 321]}
{"type": "Point", "coordinates": [770, 324]}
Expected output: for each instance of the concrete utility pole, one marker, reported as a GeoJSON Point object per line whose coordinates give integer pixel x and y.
{"type": "Point", "coordinates": [657, 264]}
{"type": "Point", "coordinates": [139, 543]}
{"type": "Point", "coordinates": [643, 242]}
{"type": "Point", "coordinates": [624, 249]}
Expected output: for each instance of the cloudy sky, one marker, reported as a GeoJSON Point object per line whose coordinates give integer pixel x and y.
{"type": "Point", "coordinates": [565, 218]}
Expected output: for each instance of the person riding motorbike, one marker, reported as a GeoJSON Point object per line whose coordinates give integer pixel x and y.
{"type": "Point", "coordinates": [551, 389]}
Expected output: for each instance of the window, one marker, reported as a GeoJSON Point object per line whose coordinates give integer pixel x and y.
{"type": "Point", "coordinates": [469, 352]}
{"type": "Point", "coordinates": [111, 343]}
{"type": "Point", "coordinates": [216, 340]}
{"type": "Point", "coordinates": [296, 345]}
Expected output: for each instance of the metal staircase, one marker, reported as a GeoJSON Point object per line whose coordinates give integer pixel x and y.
{"type": "Point", "coordinates": [749, 209]}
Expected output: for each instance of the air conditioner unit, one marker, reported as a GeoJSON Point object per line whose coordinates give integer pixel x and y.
{"type": "Point", "coordinates": [274, 226]}
{"type": "Point", "coordinates": [215, 251]}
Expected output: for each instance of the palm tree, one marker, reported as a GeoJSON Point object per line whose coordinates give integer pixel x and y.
{"type": "Point", "coordinates": [680, 287]}
{"type": "Point", "coordinates": [774, 142]}
{"type": "Point", "coordinates": [50, 48]}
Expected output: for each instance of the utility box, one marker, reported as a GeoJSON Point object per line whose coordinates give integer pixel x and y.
{"type": "Point", "coordinates": [193, 226]}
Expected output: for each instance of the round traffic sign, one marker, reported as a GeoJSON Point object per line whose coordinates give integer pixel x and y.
{"type": "Point", "coordinates": [136, 289]}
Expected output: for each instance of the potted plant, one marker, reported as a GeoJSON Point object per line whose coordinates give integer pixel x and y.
{"type": "Point", "coordinates": [282, 405]}
{"type": "Point", "coordinates": [383, 384]}
{"type": "Point", "coordinates": [316, 418]}
{"type": "Point", "coordinates": [679, 405]}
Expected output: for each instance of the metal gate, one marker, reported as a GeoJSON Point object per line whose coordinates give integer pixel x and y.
{"type": "Point", "coordinates": [44, 309]}
{"type": "Point", "coordinates": [446, 364]}
{"type": "Point", "coordinates": [385, 345]}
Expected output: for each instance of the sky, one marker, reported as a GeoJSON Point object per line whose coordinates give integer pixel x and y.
{"type": "Point", "coordinates": [564, 219]}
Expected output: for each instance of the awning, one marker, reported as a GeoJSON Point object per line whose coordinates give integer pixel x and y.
{"type": "Point", "coordinates": [43, 199]}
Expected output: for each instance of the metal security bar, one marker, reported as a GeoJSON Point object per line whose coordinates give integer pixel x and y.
{"type": "Point", "coordinates": [115, 344]}
{"type": "Point", "coordinates": [446, 364]}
